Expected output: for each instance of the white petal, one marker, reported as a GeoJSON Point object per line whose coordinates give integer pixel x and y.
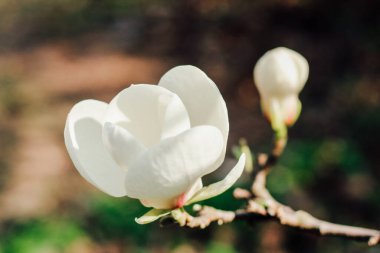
{"type": "Point", "coordinates": [123, 146]}
{"type": "Point", "coordinates": [159, 203]}
{"type": "Point", "coordinates": [201, 96]}
{"type": "Point", "coordinates": [287, 107]}
{"type": "Point", "coordinates": [83, 139]}
{"type": "Point", "coordinates": [177, 201]}
{"type": "Point", "coordinates": [194, 189]}
{"type": "Point", "coordinates": [303, 68]}
{"type": "Point", "coordinates": [148, 112]}
{"type": "Point", "coordinates": [221, 186]}
{"type": "Point", "coordinates": [290, 109]}
{"type": "Point", "coordinates": [170, 168]}
{"type": "Point", "coordinates": [280, 72]}
{"type": "Point", "coordinates": [151, 216]}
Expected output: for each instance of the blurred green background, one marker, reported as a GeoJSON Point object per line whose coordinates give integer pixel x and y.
{"type": "Point", "coordinates": [56, 53]}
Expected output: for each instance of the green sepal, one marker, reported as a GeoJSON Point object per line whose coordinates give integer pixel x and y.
{"type": "Point", "coordinates": [250, 158]}
{"type": "Point", "coordinates": [180, 216]}
{"type": "Point", "coordinates": [151, 216]}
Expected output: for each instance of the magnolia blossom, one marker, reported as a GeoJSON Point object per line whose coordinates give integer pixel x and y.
{"type": "Point", "coordinates": [154, 142]}
{"type": "Point", "coordinates": [280, 74]}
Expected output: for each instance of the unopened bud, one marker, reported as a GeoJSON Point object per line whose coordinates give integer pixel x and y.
{"type": "Point", "coordinates": [280, 75]}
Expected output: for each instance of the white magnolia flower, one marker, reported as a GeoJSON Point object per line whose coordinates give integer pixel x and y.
{"type": "Point", "coordinates": [280, 74]}
{"type": "Point", "coordinates": [154, 142]}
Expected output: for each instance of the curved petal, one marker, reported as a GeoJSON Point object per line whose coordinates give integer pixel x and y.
{"type": "Point", "coordinates": [194, 189]}
{"type": "Point", "coordinates": [177, 201]}
{"type": "Point", "coordinates": [290, 106]}
{"type": "Point", "coordinates": [169, 169]}
{"type": "Point", "coordinates": [201, 96]}
{"type": "Point", "coordinates": [221, 186]}
{"type": "Point", "coordinates": [303, 68]}
{"type": "Point", "coordinates": [148, 112]}
{"type": "Point", "coordinates": [123, 146]}
{"type": "Point", "coordinates": [83, 139]}
{"type": "Point", "coordinates": [277, 73]}
{"type": "Point", "coordinates": [159, 203]}
{"type": "Point", "coordinates": [287, 109]}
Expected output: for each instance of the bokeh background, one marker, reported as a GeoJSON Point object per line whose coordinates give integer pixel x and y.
{"type": "Point", "coordinates": [56, 53]}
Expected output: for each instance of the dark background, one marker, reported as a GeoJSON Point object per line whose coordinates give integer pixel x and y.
{"type": "Point", "coordinates": [56, 53]}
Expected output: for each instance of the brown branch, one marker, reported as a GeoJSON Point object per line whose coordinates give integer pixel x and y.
{"type": "Point", "coordinates": [265, 205]}
{"type": "Point", "coordinates": [261, 205]}
{"type": "Point", "coordinates": [264, 209]}
{"type": "Point", "coordinates": [207, 214]}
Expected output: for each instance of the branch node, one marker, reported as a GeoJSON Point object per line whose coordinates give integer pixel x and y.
{"type": "Point", "coordinates": [262, 158]}
{"type": "Point", "coordinates": [206, 215]}
{"type": "Point", "coordinates": [374, 240]}
{"type": "Point", "coordinates": [240, 193]}
{"type": "Point", "coordinates": [197, 208]}
{"type": "Point", "coordinates": [255, 207]}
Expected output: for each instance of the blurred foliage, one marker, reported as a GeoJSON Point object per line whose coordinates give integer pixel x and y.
{"type": "Point", "coordinates": [43, 235]}
{"type": "Point", "coordinates": [303, 161]}
{"type": "Point", "coordinates": [10, 106]}
{"type": "Point", "coordinates": [114, 219]}
{"type": "Point", "coordinates": [12, 101]}
{"type": "Point", "coordinates": [330, 167]}
{"type": "Point", "coordinates": [217, 247]}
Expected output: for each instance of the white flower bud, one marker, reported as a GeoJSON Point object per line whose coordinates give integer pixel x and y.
{"type": "Point", "coordinates": [280, 74]}
{"type": "Point", "coordinates": [154, 142]}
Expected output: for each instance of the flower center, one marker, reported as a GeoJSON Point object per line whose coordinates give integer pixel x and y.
{"type": "Point", "coordinates": [180, 202]}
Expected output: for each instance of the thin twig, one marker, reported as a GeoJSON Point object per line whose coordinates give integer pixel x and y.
{"type": "Point", "coordinates": [286, 216]}
{"type": "Point", "coordinates": [207, 214]}
{"type": "Point", "coordinates": [261, 205]}
{"type": "Point", "coordinates": [305, 221]}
